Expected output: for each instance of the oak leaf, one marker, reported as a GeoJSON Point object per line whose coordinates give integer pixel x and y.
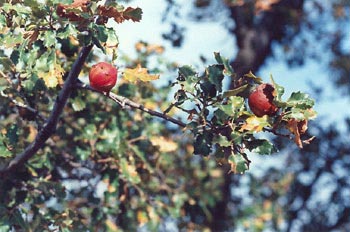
{"type": "Point", "coordinates": [73, 11]}
{"type": "Point", "coordinates": [129, 13]}
{"type": "Point", "coordinates": [53, 77]}
{"type": "Point", "coordinates": [138, 74]}
{"type": "Point", "coordinates": [294, 127]}
{"type": "Point", "coordinates": [255, 124]}
{"type": "Point", "coordinates": [164, 144]}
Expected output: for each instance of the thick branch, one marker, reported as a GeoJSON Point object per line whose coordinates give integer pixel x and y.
{"type": "Point", "coordinates": [255, 35]}
{"type": "Point", "coordinates": [123, 101]}
{"type": "Point", "coordinates": [50, 126]}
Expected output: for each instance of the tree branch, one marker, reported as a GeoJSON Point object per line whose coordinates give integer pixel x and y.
{"type": "Point", "coordinates": [123, 101]}
{"type": "Point", "coordinates": [50, 125]}
{"type": "Point", "coordinates": [255, 35]}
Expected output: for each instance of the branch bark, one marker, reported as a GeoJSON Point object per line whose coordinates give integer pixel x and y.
{"type": "Point", "coordinates": [255, 35]}
{"type": "Point", "coordinates": [51, 123]}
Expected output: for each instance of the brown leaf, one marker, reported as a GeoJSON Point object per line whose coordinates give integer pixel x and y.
{"type": "Point", "coordinates": [133, 14]}
{"type": "Point", "coordinates": [73, 11]}
{"type": "Point", "coordinates": [302, 126]}
{"type": "Point", "coordinates": [293, 127]}
{"type": "Point", "coordinates": [111, 12]}
{"type": "Point", "coordinates": [32, 36]}
{"type": "Point", "coordinates": [129, 13]}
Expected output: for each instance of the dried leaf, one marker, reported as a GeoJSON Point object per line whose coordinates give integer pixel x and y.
{"type": "Point", "coordinates": [165, 145]}
{"type": "Point", "coordinates": [302, 126]}
{"type": "Point", "coordinates": [138, 74]}
{"type": "Point", "coordinates": [133, 14]}
{"type": "Point", "coordinates": [111, 12]}
{"type": "Point", "coordinates": [73, 11]}
{"type": "Point", "coordinates": [129, 13]}
{"type": "Point", "coordinates": [32, 36]}
{"type": "Point", "coordinates": [293, 127]}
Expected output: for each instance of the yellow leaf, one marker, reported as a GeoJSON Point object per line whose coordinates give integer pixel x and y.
{"type": "Point", "coordinates": [32, 133]}
{"type": "Point", "coordinates": [138, 74]}
{"type": "Point", "coordinates": [255, 124]}
{"type": "Point", "coordinates": [151, 105]}
{"type": "Point", "coordinates": [165, 145]}
{"type": "Point", "coordinates": [142, 217]}
{"type": "Point", "coordinates": [53, 77]}
{"type": "Point", "coordinates": [111, 226]}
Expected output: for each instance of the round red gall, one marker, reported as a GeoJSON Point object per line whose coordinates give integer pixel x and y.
{"type": "Point", "coordinates": [260, 101]}
{"type": "Point", "coordinates": [103, 76]}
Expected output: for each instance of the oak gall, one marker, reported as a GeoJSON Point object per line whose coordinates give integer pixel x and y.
{"type": "Point", "coordinates": [260, 101]}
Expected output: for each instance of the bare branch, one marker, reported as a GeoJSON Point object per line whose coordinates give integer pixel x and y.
{"type": "Point", "coordinates": [123, 101]}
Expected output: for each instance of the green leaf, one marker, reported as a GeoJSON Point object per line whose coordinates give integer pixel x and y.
{"type": "Point", "coordinates": [226, 62]}
{"type": "Point", "coordinates": [208, 89]}
{"type": "Point", "coordinates": [6, 63]}
{"type": "Point", "coordinates": [279, 89]}
{"type": "Point", "coordinates": [238, 163]}
{"type": "Point", "coordinates": [300, 100]}
{"type": "Point", "coordinates": [234, 108]}
{"type": "Point", "coordinates": [12, 134]}
{"type": "Point", "coordinates": [236, 137]}
{"type": "Point", "coordinates": [11, 40]}
{"type": "Point", "coordinates": [98, 44]}
{"type": "Point", "coordinates": [82, 154]}
{"type": "Point", "coordinates": [202, 144]}
{"type": "Point", "coordinates": [180, 97]}
{"type": "Point", "coordinates": [4, 152]}
{"type": "Point", "coordinates": [69, 30]}
{"type": "Point", "coordinates": [215, 75]}
{"type": "Point", "coordinates": [49, 39]}
{"type": "Point", "coordinates": [78, 104]}
{"type": "Point", "coordinates": [112, 38]}
{"type": "Point", "coordinates": [222, 141]}
{"type": "Point", "coordinates": [256, 79]}
{"type": "Point", "coordinates": [234, 92]}
{"type": "Point", "coordinates": [101, 33]}
{"type": "Point", "coordinates": [129, 171]}
{"type": "Point", "coordinates": [186, 72]}
{"type": "Point", "coordinates": [261, 146]}
{"type": "Point", "coordinates": [16, 7]}
{"type": "Point", "coordinates": [300, 114]}
{"type": "Point", "coordinates": [17, 219]}
{"type": "Point", "coordinates": [90, 131]}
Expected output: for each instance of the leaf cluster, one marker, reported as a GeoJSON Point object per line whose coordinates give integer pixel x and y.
{"type": "Point", "coordinates": [220, 120]}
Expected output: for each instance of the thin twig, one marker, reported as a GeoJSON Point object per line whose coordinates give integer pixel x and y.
{"type": "Point", "coordinates": [123, 101]}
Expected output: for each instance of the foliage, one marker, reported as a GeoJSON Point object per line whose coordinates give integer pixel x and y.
{"type": "Point", "coordinates": [109, 164]}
